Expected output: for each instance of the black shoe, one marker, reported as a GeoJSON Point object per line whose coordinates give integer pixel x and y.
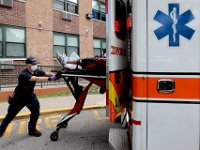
{"type": "Point", "coordinates": [35, 133]}
{"type": "Point", "coordinates": [1, 133]}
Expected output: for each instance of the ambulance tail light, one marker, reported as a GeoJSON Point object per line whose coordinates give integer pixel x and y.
{"type": "Point", "coordinates": [106, 5]}
{"type": "Point", "coordinates": [129, 16]}
{"type": "Point", "coordinates": [120, 20]}
{"type": "Point", "coordinates": [128, 23]}
{"type": "Point", "coordinates": [117, 26]}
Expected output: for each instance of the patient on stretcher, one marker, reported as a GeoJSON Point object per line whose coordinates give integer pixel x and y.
{"type": "Point", "coordinates": [74, 62]}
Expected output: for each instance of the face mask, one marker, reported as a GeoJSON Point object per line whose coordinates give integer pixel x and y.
{"type": "Point", "coordinates": [34, 67]}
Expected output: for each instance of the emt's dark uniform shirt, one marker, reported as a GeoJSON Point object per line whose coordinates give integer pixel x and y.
{"type": "Point", "coordinates": [26, 87]}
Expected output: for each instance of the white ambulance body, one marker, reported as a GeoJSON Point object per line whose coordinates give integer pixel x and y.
{"type": "Point", "coordinates": [117, 57]}
{"type": "Point", "coordinates": [165, 66]}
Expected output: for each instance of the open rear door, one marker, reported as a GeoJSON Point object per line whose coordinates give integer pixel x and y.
{"type": "Point", "coordinates": [117, 56]}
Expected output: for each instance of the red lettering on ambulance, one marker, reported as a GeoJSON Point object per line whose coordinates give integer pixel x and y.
{"type": "Point", "coordinates": [118, 51]}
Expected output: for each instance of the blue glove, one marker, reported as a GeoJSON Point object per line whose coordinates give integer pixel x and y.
{"type": "Point", "coordinates": [52, 78]}
{"type": "Point", "coordinates": [58, 75]}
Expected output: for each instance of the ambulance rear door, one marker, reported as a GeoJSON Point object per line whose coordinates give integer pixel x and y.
{"type": "Point", "coordinates": [117, 56]}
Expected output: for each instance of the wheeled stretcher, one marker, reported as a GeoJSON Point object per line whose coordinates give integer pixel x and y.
{"type": "Point", "coordinates": [71, 77]}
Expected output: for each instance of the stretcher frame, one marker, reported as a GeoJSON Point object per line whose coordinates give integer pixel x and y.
{"type": "Point", "coordinates": [78, 92]}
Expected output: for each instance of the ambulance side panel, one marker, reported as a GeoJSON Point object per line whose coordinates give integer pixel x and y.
{"type": "Point", "coordinates": [166, 83]}
{"type": "Point", "coordinates": [139, 64]}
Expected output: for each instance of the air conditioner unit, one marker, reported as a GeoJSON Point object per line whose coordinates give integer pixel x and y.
{"type": "Point", "coordinates": [8, 3]}
{"type": "Point", "coordinates": [6, 64]}
{"type": "Point", "coordinates": [67, 16]}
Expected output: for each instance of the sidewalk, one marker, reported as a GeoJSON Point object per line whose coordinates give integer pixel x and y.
{"type": "Point", "coordinates": [58, 105]}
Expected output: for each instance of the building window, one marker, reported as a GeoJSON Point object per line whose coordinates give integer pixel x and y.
{"type": "Point", "coordinates": [65, 43]}
{"type": "Point", "coordinates": [98, 10]}
{"type": "Point", "coordinates": [66, 5]}
{"type": "Point", "coordinates": [99, 45]}
{"type": "Point", "coordinates": [12, 42]}
{"type": "Point", "coordinates": [7, 3]}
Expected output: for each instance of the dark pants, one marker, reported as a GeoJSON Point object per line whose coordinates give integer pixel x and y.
{"type": "Point", "coordinates": [31, 102]}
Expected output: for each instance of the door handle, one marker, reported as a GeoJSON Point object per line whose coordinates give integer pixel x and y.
{"type": "Point", "coordinates": [166, 86]}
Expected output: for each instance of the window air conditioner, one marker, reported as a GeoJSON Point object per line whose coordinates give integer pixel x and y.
{"type": "Point", "coordinates": [8, 3]}
{"type": "Point", "coordinates": [67, 16]}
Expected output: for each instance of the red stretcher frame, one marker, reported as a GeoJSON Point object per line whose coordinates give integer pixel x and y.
{"type": "Point", "coordinates": [79, 93]}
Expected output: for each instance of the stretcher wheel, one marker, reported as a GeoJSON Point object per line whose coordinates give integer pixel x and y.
{"type": "Point", "coordinates": [65, 125]}
{"type": "Point", "coordinates": [54, 136]}
{"type": "Point", "coordinates": [102, 90]}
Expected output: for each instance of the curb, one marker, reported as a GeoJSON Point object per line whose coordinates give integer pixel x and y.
{"type": "Point", "coordinates": [53, 111]}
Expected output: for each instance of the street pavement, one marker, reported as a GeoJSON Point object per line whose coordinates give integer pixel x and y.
{"type": "Point", "coordinates": [57, 104]}
{"type": "Point", "coordinates": [87, 131]}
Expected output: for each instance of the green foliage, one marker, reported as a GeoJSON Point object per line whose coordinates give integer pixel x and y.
{"type": "Point", "coordinates": [93, 90]}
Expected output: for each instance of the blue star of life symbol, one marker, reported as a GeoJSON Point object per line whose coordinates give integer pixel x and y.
{"type": "Point", "coordinates": [174, 24]}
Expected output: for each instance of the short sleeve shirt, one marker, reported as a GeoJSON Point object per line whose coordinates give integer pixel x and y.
{"type": "Point", "coordinates": [26, 87]}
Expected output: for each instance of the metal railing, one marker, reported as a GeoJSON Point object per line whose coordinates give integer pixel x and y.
{"type": "Point", "coordinates": [9, 75]}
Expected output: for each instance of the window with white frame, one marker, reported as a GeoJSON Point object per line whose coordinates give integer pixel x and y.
{"type": "Point", "coordinates": [98, 10]}
{"type": "Point", "coordinates": [72, 44]}
{"type": "Point", "coordinates": [65, 43]}
{"type": "Point", "coordinates": [12, 42]}
{"type": "Point", "coordinates": [66, 5]}
{"type": "Point", "coordinates": [99, 45]}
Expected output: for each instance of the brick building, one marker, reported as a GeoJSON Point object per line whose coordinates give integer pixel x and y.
{"type": "Point", "coordinates": [40, 28]}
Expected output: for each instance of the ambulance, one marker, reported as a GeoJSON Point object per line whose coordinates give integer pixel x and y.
{"type": "Point", "coordinates": [153, 72]}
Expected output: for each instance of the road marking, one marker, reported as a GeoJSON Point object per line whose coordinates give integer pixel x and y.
{"type": "Point", "coordinates": [46, 122]}
{"type": "Point", "coordinates": [51, 122]}
{"type": "Point", "coordinates": [38, 123]}
{"type": "Point", "coordinates": [96, 114]}
{"type": "Point", "coordinates": [8, 130]}
{"type": "Point", "coordinates": [22, 127]}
